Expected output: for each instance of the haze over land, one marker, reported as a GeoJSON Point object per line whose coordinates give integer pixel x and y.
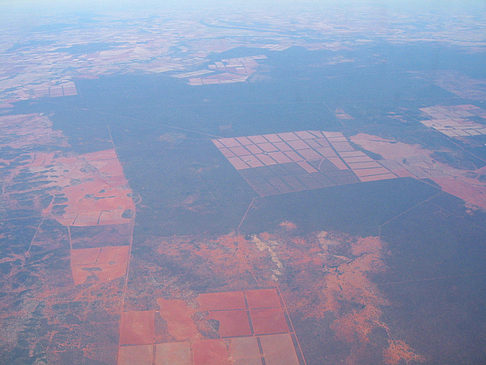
{"type": "Point", "coordinates": [298, 182]}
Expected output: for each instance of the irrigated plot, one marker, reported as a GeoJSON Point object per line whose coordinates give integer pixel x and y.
{"type": "Point", "coordinates": [296, 161]}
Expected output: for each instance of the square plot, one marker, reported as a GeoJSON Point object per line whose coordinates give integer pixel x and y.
{"type": "Point", "coordinates": [257, 139]}
{"type": "Point", "coordinates": [279, 157]}
{"type": "Point", "coordinates": [343, 147]}
{"type": "Point", "coordinates": [377, 177]}
{"type": "Point", "coordinates": [229, 142]}
{"type": "Point", "coordinates": [294, 156]}
{"type": "Point", "coordinates": [237, 163]}
{"type": "Point", "coordinates": [232, 323]}
{"type": "Point", "coordinates": [267, 160]}
{"type": "Point", "coordinates": [338, 163]}
{"type": "Point", "coordinates": [227, 152]}
{"type": "Point", "coordinates": [211, 352]}
{"type": "Point", "coordinates": [369, 172]}
{"type": "Point", "coordinates": [288, 136]}
{"type": "Point", "coordinates": [252, 161]}
{"type": "Point", "coordinates": [272, 138]}
{"type": "Point", "coordinates": [240, 151]}
{"type": "Point", "coordinates": [323, 142]}
{"type": "Point", "coordinates": [358, 159]}
{"type": "Point", "coordinates": [263, 298]}
{"type": "Point", "coordinates": [245, 351]}
{"type": "Point", "coordinates": [173, 353]}
{"type": "Point", "coordinates": [298, 144]}
{"type": "Point", "coordinates": [137, 328]}
{"type": "Point", "coordinates": [279, 350]}
{"type": "Point", "coordinates": [308, 168]}
{"type": "Point", "coordinates": [135, 355]}
{"type": "Point", "coordinates": [332, 134]}
{"type": "Point", "coordinates": [309, 154]}
{"type": "Point", "coordinates": [305, 135]}
{"type": "Point", "coordinates": [244, 141]}
{"type": "Point", "coordinates": [253, 148]}
{"type": "Point", "coordinates": [282, 146]}
{"type": "Point", "coordinates": [268, 321]}
{"type": "Point", "coordinates": [267, 147]}
{"type": "Point", "coordinates": [221, 301]}
{"type": "Point", "coordinates": [363, 165]}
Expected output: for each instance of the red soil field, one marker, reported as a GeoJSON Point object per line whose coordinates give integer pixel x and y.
{"type": "Point", "coordinates": [135, 355]}
{"type": "Point", "coordinates": [102, 194]}
{"type": "Point", "coordinates": [98, 236]}
{"type": "Point", "coordinates": [263, 298]}
{"type": "Point", "coordinates": [104, 264]}
{"type": "Point", "coordinates": [173, 353]}
{"type": "Point", "coordinates": [268, 321]}
{"type": "Point", "coordinates": [232, 323]}
{"type": "Point", "coordinates": [137, 328]}
{"type": "Point", "coordinates": [221, 301]}
{"type": "Point", "coordinates": [245, 351]}
{"type": "Point", "coordinates": [279, 350]}
{"type": "Point", "coordinates": [84, 256]}
{"type": "Point", "coordinates": [211, 352]}
{"type": "Point", "coordinates": [178, 316]}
